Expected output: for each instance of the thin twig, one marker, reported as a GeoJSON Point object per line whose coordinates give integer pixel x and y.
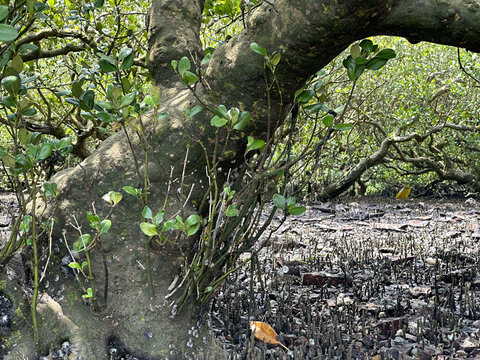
{"type": "Point", "coordinates": [49, 251]}
{"type": "Point", "coordinates": [463, 69]}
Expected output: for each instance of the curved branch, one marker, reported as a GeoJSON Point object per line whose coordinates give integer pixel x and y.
{"type": "Point", "coordinates": [41, 54]}
{"type": "Point", "coordinates": [448, 172]}
{"type": "Point", "coordinates": [463, 68]}
{"type": "Point", "coordinates": [452, 22]}
{"type": "Point", "coordinates": [46, 34]}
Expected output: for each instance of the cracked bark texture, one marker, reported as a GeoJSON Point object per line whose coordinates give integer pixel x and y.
{"type": "Point", "coordinates": [308, 34]}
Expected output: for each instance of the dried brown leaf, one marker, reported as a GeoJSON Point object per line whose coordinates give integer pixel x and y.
{"type": "Point", "coordinates": [264, 332]}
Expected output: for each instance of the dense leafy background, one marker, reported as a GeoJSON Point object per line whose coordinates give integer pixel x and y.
{"type": "Point", "coordinates": [84, 62]}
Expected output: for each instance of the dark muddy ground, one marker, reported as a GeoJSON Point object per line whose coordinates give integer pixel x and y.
{"type": "Point", "coordinates": [360, 279]}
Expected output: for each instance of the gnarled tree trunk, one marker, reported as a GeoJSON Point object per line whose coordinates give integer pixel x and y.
{"type": "Point", "coordinates": [308, 34]}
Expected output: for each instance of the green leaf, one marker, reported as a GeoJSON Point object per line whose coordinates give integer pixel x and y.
{"type": "Point", "coordinates": [290, 201]}
{"type": "Point", "coordinates": [192, 224]}
{"type": "Point", "coordinates": [343, 127]}
{"type": "Point", "coordinates": [206, 59]}
{"type": "Point", "coordinates": [44, 152]}
{"type": "Point", "coordinates": [299, 91]}
{"type": "Point", "coordinates": [106, 66]}
{"type": "Point", "coordinates": [376, 63]}
{"type": "Point", "coordinates": [77, 90]}
{"type": "Point", "coordinates": [361, 60]}
{"type": "Point", "coordinates": [29, 112]}
{"type": "Point", "coordinates": [171, 225]}
{"type": "Point", "coordinates": [305, 96]}
{"type": "Point", "coordinates": [32, 152]}
{"type": "Point", "coordinates": [279, 201]}
{"type": "Point", "coordinates": [105, 225]}
{"type": "Point", "coordinates": [107, 58]}
{"type": "Point", "coordinates": [28, 47]}
{"type": "Point", "coordinates": [127, 62]}
{"type": "Point", "coordinates": [355, 50]}
{"type": "Point", "coordinates": [356, 72]}
{"type": "Point", "coordinates": [89, 98]}
{"type": "Point", "coordinates": [115, 197]}
{"type": "Point", "coordinates": [64, 143]}
{"type": "Point", "coordinates": [94, 220]}
{"type": "Point", "coordinates": [221, 111]}
{"type": "Point", "coordinates": [314, 108]}
{"type": "Point", "coordinates": [107, 105]}
{"type": "Point", "coordinates": [254, 144]}
{"type": "Point", "coordinates": [327, 120]}
{"type": "Point", "coordinates": [192, 220]}
{"type": "Point", "coordinates": [243, 120]}
{"type": "Point", "coordinates": [232, 210]}
{"type": "Point", "coordinates": [258, 49]}
{"type": "Point", "coordinates": [50, 189]}
{"type": "Point", "coordinates": [297, 210]}
{"type": "Point", "coordinates": [183, 65]}
{"type": "Point", "coordinates": [3, 12]}
{"type": "Point", "coordinates": [127, 99]}
{"type": "Point", "coordinates": [112, 197]}
{"type": "Point", "coordinates": [147, 213]}
{"type": "Point", "coordinates": [174, 64]}
{"type": "Point", "coordinates": [179, 221]}
{"type": "Point", "coordinates": [218, 121]}
{"type": "Point", "coordinates": [276, 59]}
{"type": "Point", "coordinates": [192, 112]}
{"type": "Point", "coordinates": [30, 6]}
{"type": "Point", "coordinates": [23, 136]}
{"type": "Point", "coordinates": [11, 83]}
{"type": "Point", "coordinates": [72, 101]}
{"type": "Point", "coordinates": [386, 54]}
{"type": "Point", "coordinates": [7, 33]}
{"type": "Point", "coordinates": [131, 191]}
{"type": "Point", "coordinates": [189, 77]}
{"type": "Point", "coordinates": [9, 101]}
{"type": "Point", "coordinates": [157, 220]}
{"type": "Point", "coordinates": [106, 117]}
{"type": "Point", "coordinates": [151, 100]}
{"type": "Point", "coordinates": [89, 294]}
{"type": "Point", "coordinates": [82, 242]}
{"type": "Point", "coordinates": [126, 51]}
{"type": "Point", "coordinates": [74, 265]}
{"type": "Point", "coordinates": [349, 63]}
{"type": "Point", "coordinates": [30, 79]}
{"type": "Point", "coordinates": [126, 84]}
{"type": "Point", "coordinates": [8, 160]}
{"type": "Point", "coordinates": [367, 46]}
{"type": "Point", "coordinates": [233, 114]}
{"type": "Point", "coordinates": [149, 229]}
{"type": "Point", "coordinates": [17, 63]}
{"type": "Point", "coordinates": [25, 224]}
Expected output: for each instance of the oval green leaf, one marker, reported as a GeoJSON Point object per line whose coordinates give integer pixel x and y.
{"type": "Point", "coordinates": [258, 49]}
{"type": "Point", "coordinates": [7, 33]}
{"type": "Point", "coordinates": [149, 229]}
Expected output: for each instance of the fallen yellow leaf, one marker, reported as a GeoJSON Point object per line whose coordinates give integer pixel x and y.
{"type": "Point", "coordinates": [264, 332]}
{"type": "Point", "coordinates": [403, 194]}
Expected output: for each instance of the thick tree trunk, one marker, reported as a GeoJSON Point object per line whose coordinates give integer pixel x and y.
{"type": "Point", "coordinates": [308, 34]}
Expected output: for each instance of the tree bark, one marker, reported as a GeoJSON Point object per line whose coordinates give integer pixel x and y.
{"type": "Point", "coordinates": [308, 34]}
